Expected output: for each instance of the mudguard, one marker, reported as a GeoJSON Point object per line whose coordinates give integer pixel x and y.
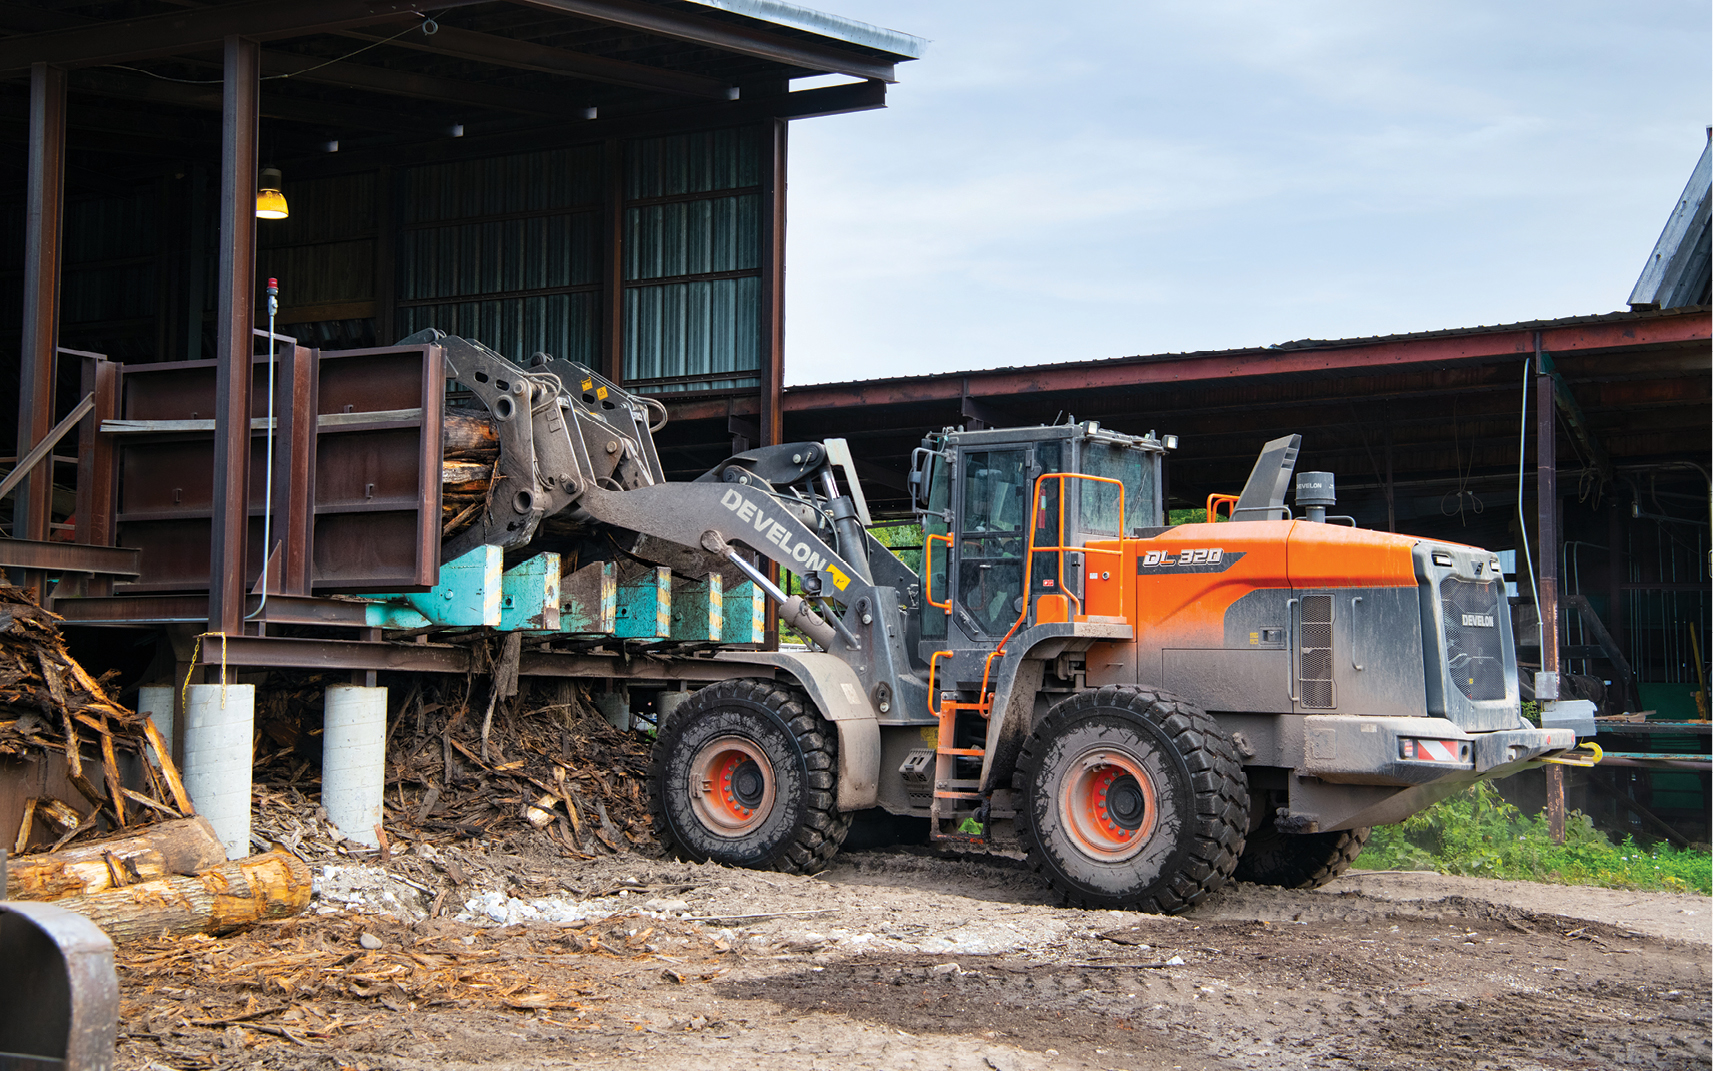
{"type": "Point", "coordinates": [837, 692]}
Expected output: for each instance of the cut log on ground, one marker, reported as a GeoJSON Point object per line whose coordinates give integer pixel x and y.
{"type": "Point", "coordinates": [218, 900]}
{"type": "Point", "coordinates": [166, 849]}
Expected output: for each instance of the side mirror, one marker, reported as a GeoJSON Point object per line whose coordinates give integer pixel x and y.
{"type": "Point", "coordinates": [918, 479]}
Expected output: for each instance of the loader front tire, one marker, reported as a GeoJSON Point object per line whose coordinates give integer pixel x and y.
{"type": "Point", "coordinates": [1298, 860]}
{"type": "Point", "coordinates": [1132, 798]}
{"type": "Point", "coordinates": [743, 773]}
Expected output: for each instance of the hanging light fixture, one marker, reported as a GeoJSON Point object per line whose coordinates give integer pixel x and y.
{"type": "Point", "coordinates": [270, 202]}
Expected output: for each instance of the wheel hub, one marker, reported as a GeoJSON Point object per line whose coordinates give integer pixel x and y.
{"type": "Point", "coordinates": [1110, 804]}
{"type": "Point", "coordinates": [731, 786]}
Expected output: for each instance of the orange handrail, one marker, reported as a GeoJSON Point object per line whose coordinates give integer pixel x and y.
{"type": "Point", "coordinates": [928, 570]}
{"type": "Point", "coordinates": [933, 667]}
{"type": "Point", "coordinates": [1029, 561]}
{"type": "Point", "coordinates": [1213, 503]}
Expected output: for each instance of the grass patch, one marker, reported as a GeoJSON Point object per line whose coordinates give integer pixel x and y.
{"type": "Point", "coordinates": [1477, 833]}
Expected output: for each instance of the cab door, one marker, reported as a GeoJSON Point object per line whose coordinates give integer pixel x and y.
{"type": "Point", "coordinates": [991, 514]}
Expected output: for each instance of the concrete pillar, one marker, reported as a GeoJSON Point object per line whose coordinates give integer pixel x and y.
{"type": "Point", "coordinates": [158, 702]}
{"type": "Point", "coordinates": [615, 707]}
{"type": "Point", "coordinates": [218, 741]}
{"type": "Point", "coordinates": [354, 760]}
{"type": "Point", "coordinates": [667, 703]}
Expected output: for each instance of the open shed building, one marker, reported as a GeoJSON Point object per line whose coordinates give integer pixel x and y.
{"type": "Point", "coordinates": [604, 180]}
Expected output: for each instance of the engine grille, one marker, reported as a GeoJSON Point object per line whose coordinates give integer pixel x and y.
{"type": "Point", "coordinates": [1314, 666]}
{"type": "Point", "coordinates": [1474, 657]}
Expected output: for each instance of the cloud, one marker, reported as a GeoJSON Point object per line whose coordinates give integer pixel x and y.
{"type": "Point", "coordinates": [1089, 180]}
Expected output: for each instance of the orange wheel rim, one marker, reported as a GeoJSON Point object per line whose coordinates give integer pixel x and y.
{"type": "Point", "coordinates": [1109, 804]}
{"type": "Point", "coordinates": [731, 786]}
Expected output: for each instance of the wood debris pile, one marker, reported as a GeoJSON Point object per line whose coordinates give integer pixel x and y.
{"type": "Point", "coordinates": [119, 771]}
{"type": "Point", "coordinates": [324, 981]}
{"type": "Point", "coordinates": [550, 770]}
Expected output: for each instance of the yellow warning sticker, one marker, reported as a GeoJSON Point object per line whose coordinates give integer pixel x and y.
{"type": "Point", "coordinates": [601, 392]}
{"type": "Point", "coordinates": [588, 384]}
{"type": "Point", "coordinates": [840, 580]}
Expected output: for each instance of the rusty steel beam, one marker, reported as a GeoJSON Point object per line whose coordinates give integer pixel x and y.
{"type": "Point", "coordinates": [556, 664]}
{"type": "Point", "coordinates": [772, 414]}
{"type": "Point", "coordinates": [281, 609]}
{"type": "Point", "coordinates": [1226, 367]}
{"type": "Point", "coordinates": [43, 219]}
{"type": "Point", "coordinates": [140, 88]}
{"type": "Point", "coordinates": [529, 56]}
{"type": "Point", "coordinates": [67, 557]}
{"type": "Point", "coordinates": [301, 68]}
{"type": "Point", "coordinates": [725, 36]}
{"type": "Point", "coordinates": [445, 658]}
{"type": "Point", "coordinates": [133, 609]}
{"type": "Point", "coordinates": [1546, 579]}
{"type": "Point", "coordinates": [176, 32]}
{"type": "Point", "coordinates": [235, 341]}
{"type": "Point", "coordinates": [97, 482]}
{"type": "Point", "coordinates": [333, 654]}
{"type": "Point", "coordinates": [630, 123]}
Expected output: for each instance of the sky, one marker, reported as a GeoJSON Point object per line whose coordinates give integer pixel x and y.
{"type": "Point", "coordinates": [1072, 181]}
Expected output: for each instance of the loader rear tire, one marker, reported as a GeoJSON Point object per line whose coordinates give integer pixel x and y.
{"type": "Point", "coordinates": [744, 773]}
{"type": "Point", "coordinates": [1132, 798]}
{"type": "Point", "coordinates": [1298, 860]}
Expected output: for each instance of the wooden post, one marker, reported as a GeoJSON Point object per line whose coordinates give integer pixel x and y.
{"type": "Point", "coordinates": [234, 377]}
{"type": "Point", "coordinates": [43, 215]}
{"type": "Point", "coordinates": [1546, 573]}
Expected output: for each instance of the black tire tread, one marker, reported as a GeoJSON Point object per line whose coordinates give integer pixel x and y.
{"type": "Point", "coordinates": [1213, 764]}
{"type": "Point", "coordinates": [824, 826]}
{"type": "Point", "coordinates": [1309, 861]}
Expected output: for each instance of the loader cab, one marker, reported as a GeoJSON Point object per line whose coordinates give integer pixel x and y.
{"type": "Point", "coordinates": [976, 496]}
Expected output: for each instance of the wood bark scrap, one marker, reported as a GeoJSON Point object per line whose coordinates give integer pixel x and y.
{"type": "Point", "coordinates": [471, 453]}
{"type": "Point", "coordinates": [218, 900]}
{"type": "Point", "coordinates": [548, 751]}
{"type": "Point", "coordinates": [179, 847]}
{"type": "Point", "coordinates": [52, 709]}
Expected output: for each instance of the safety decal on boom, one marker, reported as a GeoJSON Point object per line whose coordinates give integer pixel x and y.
{"type": "Point", "coordinates": [1187, 560]}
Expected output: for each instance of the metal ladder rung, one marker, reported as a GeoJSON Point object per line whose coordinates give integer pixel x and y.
{"type": "Point", "coordinates": [968, 752]}
{"type": "Point", "coordinates": [957, 795]}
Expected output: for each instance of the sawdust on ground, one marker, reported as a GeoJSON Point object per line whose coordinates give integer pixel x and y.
{"type": "Point", "coordinates": [906, 958]}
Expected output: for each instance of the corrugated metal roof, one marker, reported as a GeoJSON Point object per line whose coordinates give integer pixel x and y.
{"type": "Point", "coordinates": [1295, 345]}
{"type": "Point", "coordinates": [1677, 272]}
{"type": "Point", "coordinates": [822, 24]}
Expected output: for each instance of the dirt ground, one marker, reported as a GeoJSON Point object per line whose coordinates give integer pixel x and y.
{"type": "Point", "coordinates": [908, 959]}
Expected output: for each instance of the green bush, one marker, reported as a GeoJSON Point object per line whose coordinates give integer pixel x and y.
{"type": "Point", "coordinates": [1477, 833]}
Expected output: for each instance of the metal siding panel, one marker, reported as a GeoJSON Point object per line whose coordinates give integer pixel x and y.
{"type": "Point", "coordinates": [696, 328]}
{"type": "Point", "coordinates": [692, 163]}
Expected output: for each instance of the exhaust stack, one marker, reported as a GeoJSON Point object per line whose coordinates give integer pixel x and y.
{"type": "Point", "coordinates": [1315, 494]}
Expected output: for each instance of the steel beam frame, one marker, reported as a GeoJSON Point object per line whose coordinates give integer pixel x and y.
{"type": "Point", "coordinates": [1363, 358]}
{"type": "Point", "coordinates": [235, 339]}
{"type": "Point", "coordinates": [370, 655]}
{"type": "Point", "coordinates": [199, 29]}
{"type": "Point", "coordinates": [530, 56]}
{"type": "Point", "coordinates": [43, 223]}
{"type": "Point", "coordinates": [67, 557]}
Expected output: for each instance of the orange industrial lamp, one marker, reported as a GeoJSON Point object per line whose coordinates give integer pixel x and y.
{"type": "Point", "coordinates": [270, 202]}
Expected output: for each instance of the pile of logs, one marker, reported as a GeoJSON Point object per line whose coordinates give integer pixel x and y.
{"type": "Point", "coordinates": [142, 865]}
{"type": "Point", "coordinates": [471, 452]}
{"type": "Point", "coordinates": [168, 880]}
